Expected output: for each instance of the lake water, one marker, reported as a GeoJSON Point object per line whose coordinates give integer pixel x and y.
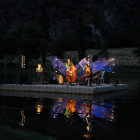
{"type": "Point", "coordinates": [112, 116]}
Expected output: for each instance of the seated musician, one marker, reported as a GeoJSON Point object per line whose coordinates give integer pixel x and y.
{"type": "Point", "coordinates": [96, 78]}
{"type": "Point", "coordinates": [87, 73]}
{"type": "Point", "coordinates": [39, 69]}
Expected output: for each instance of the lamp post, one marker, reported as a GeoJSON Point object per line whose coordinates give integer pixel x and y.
{"type": "Point", "coordinates": [4, 71]}
{"type": "Point", "coordinates": [22, 65]}
{"type": "Point", "coordinates": [114, 64]}
{"type": "Point", "coordinates": [115, 72]}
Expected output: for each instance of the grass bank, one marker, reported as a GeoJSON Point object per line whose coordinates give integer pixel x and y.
{"type": "Point", "coordinates": [8, 133]}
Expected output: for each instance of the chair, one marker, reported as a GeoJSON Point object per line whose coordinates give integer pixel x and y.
{"type": "Point", "coordinates": [102, 76]}
{"type": "Point", "coordinates": [88, 79]}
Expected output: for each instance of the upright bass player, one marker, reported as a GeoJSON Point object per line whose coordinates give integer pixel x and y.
{"type": "Point", "coordinates": [71, 75]}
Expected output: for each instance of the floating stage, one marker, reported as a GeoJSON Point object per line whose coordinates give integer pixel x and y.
{"type": "Point", "coordinates": [56, 88]}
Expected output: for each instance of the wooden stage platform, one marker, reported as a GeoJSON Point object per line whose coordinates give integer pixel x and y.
{"type": "Point", "coordinates": [56, 88]}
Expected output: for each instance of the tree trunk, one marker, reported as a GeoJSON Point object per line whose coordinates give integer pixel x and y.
{"type": "Point", "coordinates": [43, 59]}
{"type": "Point", "coordinates": [26, 62]}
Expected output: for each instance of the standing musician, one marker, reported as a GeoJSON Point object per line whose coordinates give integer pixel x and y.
{"type": "Point", "coordinates": [87, 73]}
{"type": "Point", "coordinates": [68, 64]}
{"type": "Point", "coordinates": [71, 75]}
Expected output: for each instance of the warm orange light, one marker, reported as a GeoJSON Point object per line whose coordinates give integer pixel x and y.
{"type": "Point", "coordinates": [39, 108]}
{"type": "Point", "coordinates": [86, 136]}
{"type": "Point", "coordinates": [39, 68]}
{"type": "Point", "coordinates": [60, 99]}
{"type": "Point", "coordinates": [23, 118]}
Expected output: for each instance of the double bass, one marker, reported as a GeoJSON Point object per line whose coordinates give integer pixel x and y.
{"type": "Point", "coordinates": [71, 75]}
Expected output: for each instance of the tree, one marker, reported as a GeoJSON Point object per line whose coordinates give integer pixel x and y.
{"type": "Point", "coordinates": [2, 50]}
{"type": "Point", "coordinates": [80, 37]}
{"type": "Point", "coordinates": [59, 47]}
{"type": "Point", "coordinates": [44, 23]}
{"type": "Point", "coordinates": [29, 40]}
{"type": "Point", "coordinates": [7, 46]}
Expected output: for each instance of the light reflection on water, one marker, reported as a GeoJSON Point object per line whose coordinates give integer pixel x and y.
{"type": "Point", "coordinates": [102, 110]}
{"type": "Point", "coordinates": [87, 110]}
{"type": "Point", "coordinates": [23, 118]}
{"type": "Point", "coordinates": [36, 109]}
{"type": "Point", "coordinates": [93, 110]}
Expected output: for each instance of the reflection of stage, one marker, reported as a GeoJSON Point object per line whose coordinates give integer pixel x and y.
{"type": "Point", "coordinates": [99, 107]}
{"type": "Point", "coordinates": [83, 109]}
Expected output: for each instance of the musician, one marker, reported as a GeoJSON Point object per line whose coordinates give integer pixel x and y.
{"type": "Point", "coordinates": [70, 109]}
{"type": "Point", "coordinates": [96, 78]}
{"type": "Point", "coordinates": [40, 69]}
{"type": "Point", "coordinates": [68, 65]}
{"type": "Point", "coordinates": [87, 73]}
{"type": "Point", "coordinates": [71, 75]}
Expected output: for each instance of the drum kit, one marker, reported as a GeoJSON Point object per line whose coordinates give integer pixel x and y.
{"type": "Point", "coordinates": [59, 78]}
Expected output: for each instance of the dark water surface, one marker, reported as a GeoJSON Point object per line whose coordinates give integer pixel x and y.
{"type": "Point", "coordinates": [112, 116]}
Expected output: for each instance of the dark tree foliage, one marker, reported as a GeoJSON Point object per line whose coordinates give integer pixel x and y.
{"type": "Point", "coordinates": [7, 46]}
{"type": "Point", "coordinates": [28, 40]}
{"type": "Point", "coordinates": [75, 40]}
{"type": "Point", "coordinates": [80, 37]}
{"type": "Point", "coordinates": [44, 23]}
{"type": "Point", "coordinates": [98, 2]}
{"type": "Point", "coordinates": [2, 48]}
{"type": "Point", "coordinates": [119, 38]}
{"type": "Point", "coordinates": [10, 45]}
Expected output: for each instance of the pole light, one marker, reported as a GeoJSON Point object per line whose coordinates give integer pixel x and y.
{"type": "Point", "coordinates": [22, 61]}
{"type": "Point", "coordinates": [22, 65]}
{"type": "Point", "coordinates": [114, 67]}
